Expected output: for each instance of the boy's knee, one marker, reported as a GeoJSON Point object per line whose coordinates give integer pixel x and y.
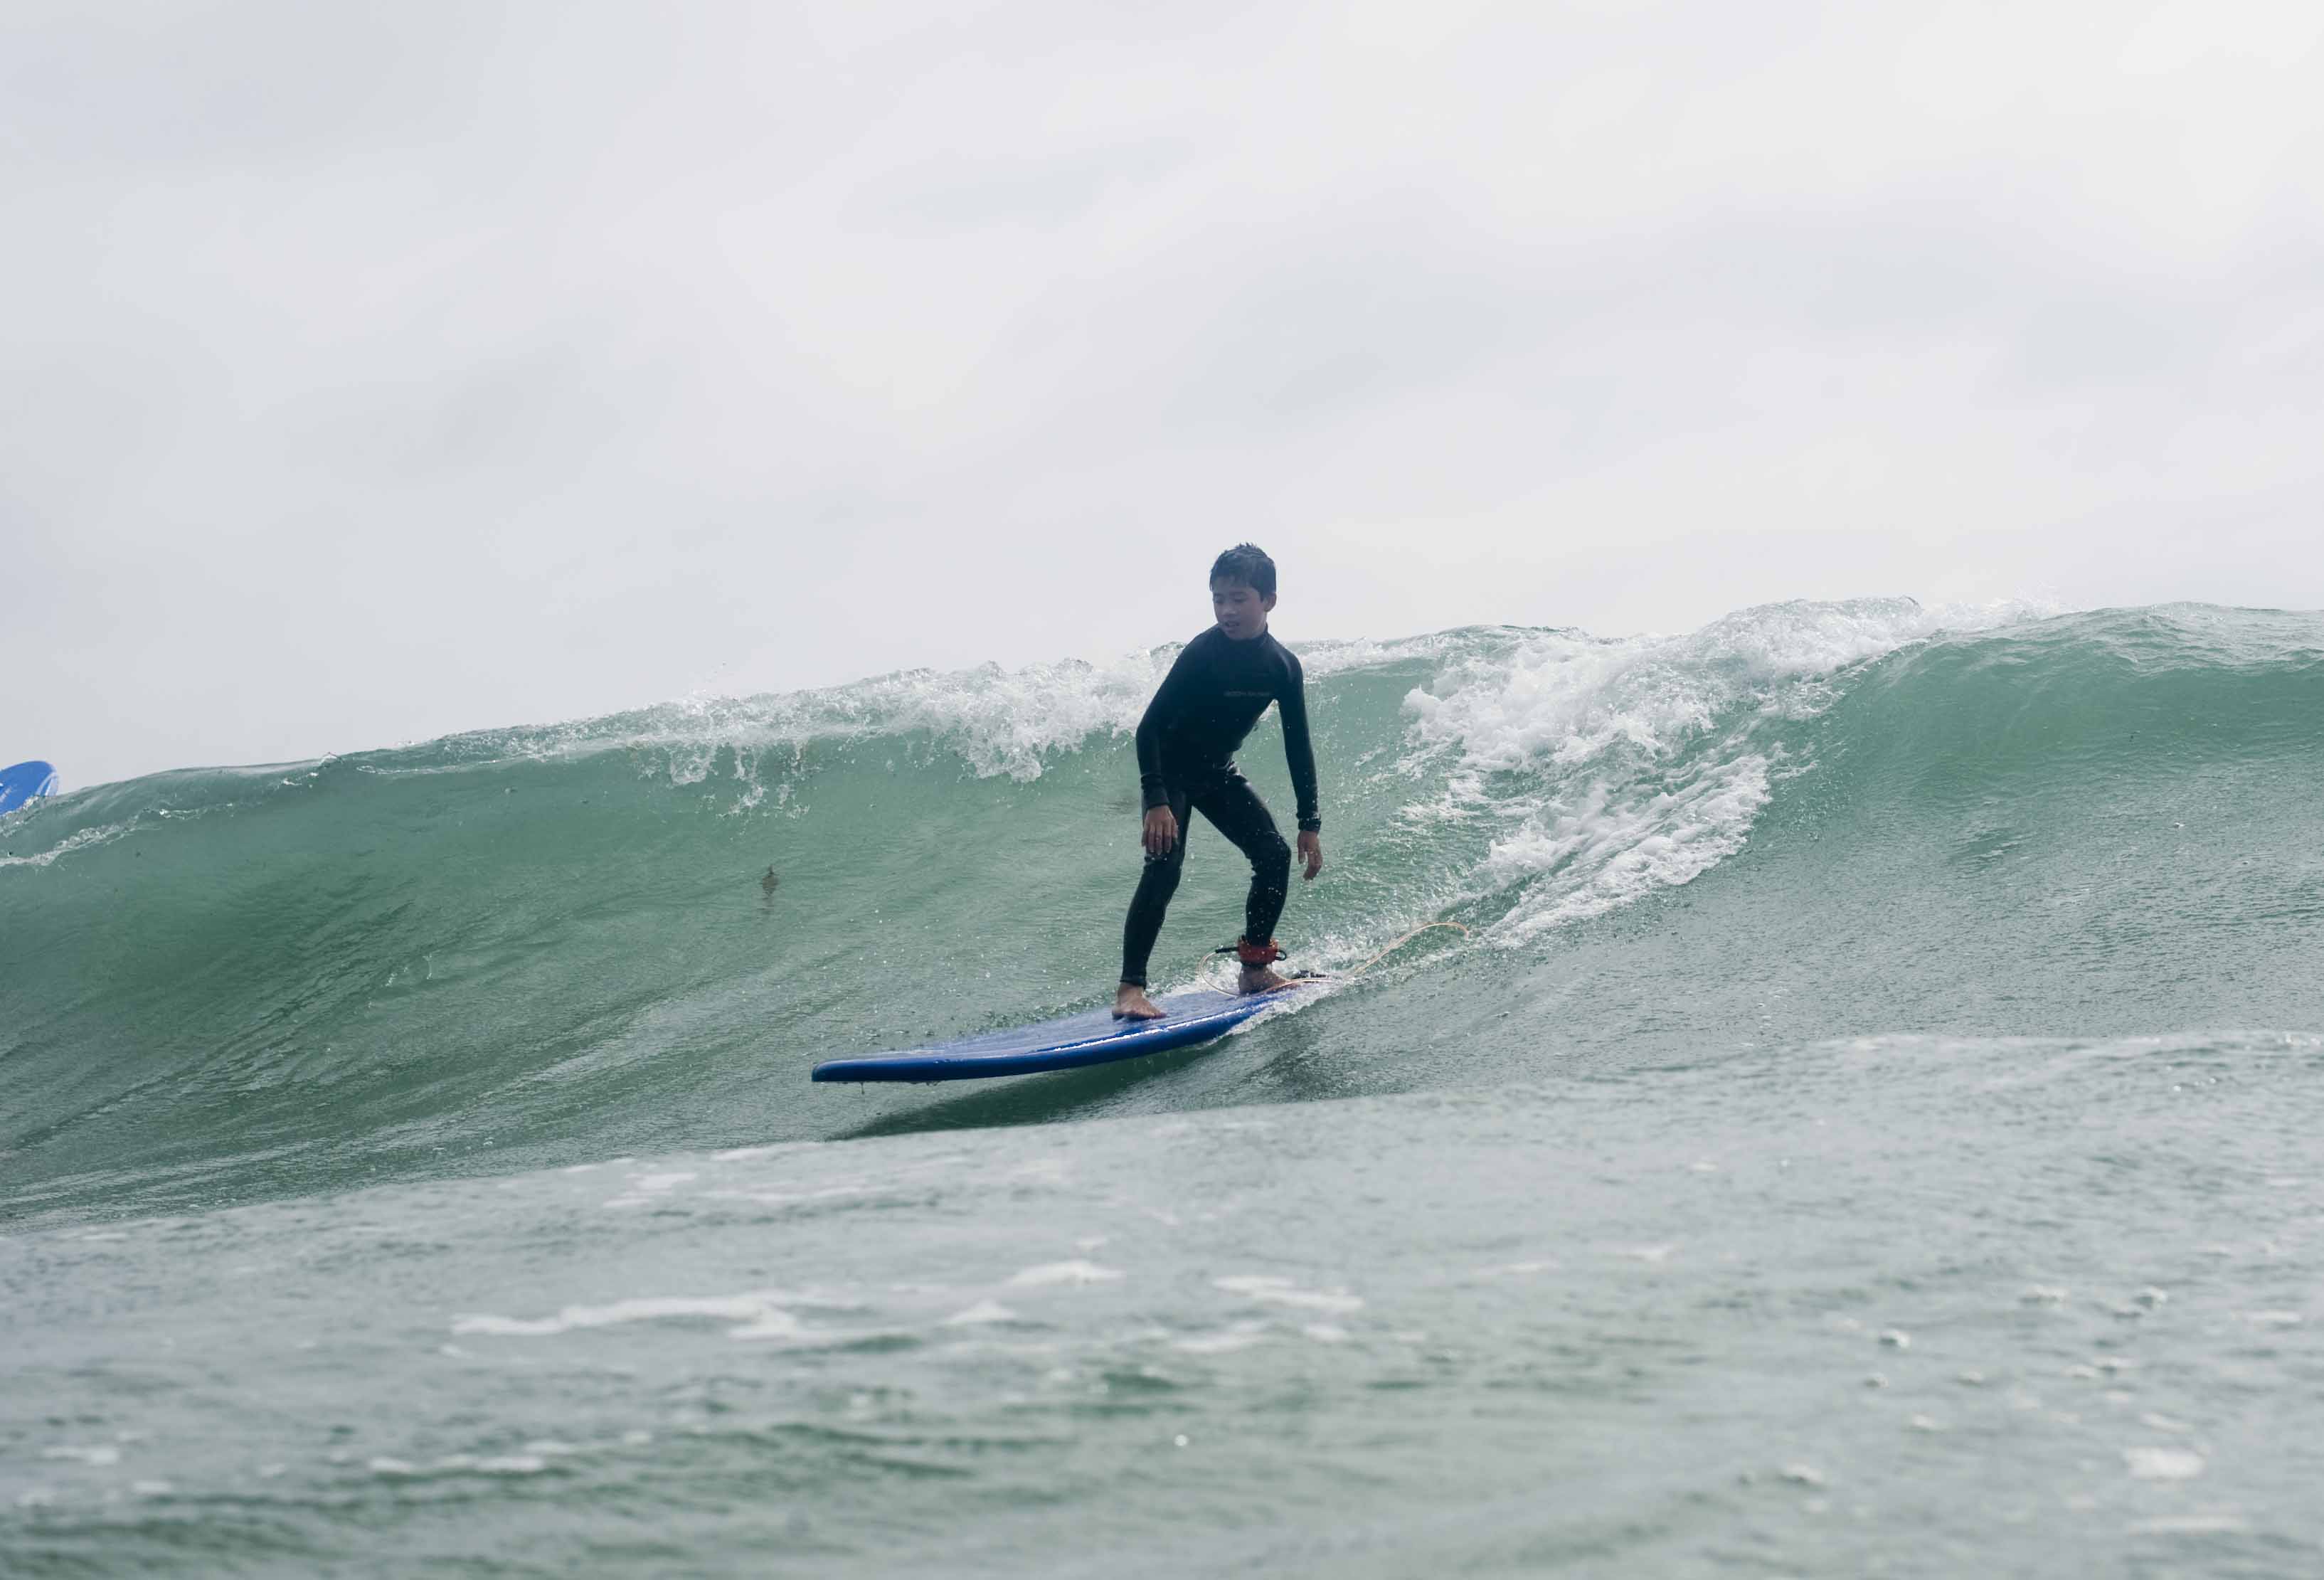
{"type": "Point", "coordinates": [1274, 858]}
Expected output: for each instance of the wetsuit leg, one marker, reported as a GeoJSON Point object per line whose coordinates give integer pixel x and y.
{"type": "Point", "coordinates": [1156, 884]}
{"type": "Point", "coordinates": [1235, 810]}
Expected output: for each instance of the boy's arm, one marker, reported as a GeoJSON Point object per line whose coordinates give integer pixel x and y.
{"type": "Point", "coordinates": [1297, 749]}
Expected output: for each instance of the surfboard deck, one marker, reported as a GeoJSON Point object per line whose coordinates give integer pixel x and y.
{"type": "Point", "coordinates": [24, 781]}
{"type": "Point", "coordinates": [1093, 1036]}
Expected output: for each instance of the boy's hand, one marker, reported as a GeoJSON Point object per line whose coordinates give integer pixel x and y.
{"type": "Point", "coordinates": [1161, 831]}
{"type": "Point", "coordinates": [1311, 851]}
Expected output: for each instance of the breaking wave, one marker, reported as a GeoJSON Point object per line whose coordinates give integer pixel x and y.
{"type": "Point", "coordinates": [535, 944]}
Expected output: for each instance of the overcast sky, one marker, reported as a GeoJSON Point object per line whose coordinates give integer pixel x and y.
{"type": "Point", "coordinates": [369, 372]}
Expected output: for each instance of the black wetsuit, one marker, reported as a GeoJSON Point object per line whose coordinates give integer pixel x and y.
{"type": "Point", "coordinates": [1186, 743]}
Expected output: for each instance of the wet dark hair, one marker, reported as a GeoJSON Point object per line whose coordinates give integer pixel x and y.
{"type": "Point", "coordinates": [1246, 563]}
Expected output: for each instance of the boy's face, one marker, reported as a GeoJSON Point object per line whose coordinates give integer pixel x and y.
{"type": "Point", "coordinates": [1242, 612]}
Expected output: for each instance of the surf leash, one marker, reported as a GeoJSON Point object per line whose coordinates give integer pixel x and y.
{"type": "Point", "coordinates": [1400, 943]}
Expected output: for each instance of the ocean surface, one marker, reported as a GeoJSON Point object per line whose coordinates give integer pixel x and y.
{"type": "Point", "coordinates": [1873, 1123]}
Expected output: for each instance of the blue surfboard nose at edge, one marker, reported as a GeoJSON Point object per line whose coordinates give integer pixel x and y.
{"type": "Point", "coordinates": [23, 781]}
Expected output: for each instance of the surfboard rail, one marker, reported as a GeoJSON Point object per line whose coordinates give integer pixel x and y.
{"type": "Point", "coordinates": [1073, 1043]}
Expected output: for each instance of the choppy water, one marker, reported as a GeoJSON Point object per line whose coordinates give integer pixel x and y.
{"type": "Point", "coordinates": [1869, 1128]}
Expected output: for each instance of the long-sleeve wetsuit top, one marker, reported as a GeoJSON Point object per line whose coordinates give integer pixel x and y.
{"type": "Point", "coordinates": [1207, 707]}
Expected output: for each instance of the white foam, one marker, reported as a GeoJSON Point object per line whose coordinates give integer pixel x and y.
{"type": "Point", "coordinates": [647, 1188]}
{"type": "Point", "coordinates": [983, 1311]}
{"type": "Point", "coordinates": [999, 720]}
{"type": "Point", "coordinates": [772, 1324]}
{"type": "Point", "coordinates": [80, 840]}
{"type": "Point", "coordinates": [2163, 1464]}
{"type": "Point", "coordinates": [1281, 1291]}
{"type": "Point", "coordinates": [94, 1453]}
{"type": "Point", "coordinates": [1240, 1337]}
{"type": "Point", "coordinates": [1598, 757]}
{"type": "Point", "coordinates": [2217, 1524]}
{"type": "Point", "coordinates": [1320, 659]}
{"type": "Point", "coordinates": [756, 1309]}
{"type": "Point", "coordinates": [1063, 1272]}
{"type": "Point", "coordinates": [1653, 1255]}
{"type": "Point", "coordinates": [776, 1198]}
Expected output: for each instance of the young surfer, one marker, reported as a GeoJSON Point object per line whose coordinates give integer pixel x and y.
{"type": "Point", "coordinates": [1223, 681]}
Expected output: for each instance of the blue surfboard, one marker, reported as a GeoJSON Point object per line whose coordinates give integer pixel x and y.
{"type": "Point", "coordinates": [1094, 1037]}
{"type": "Point", "coordinates": [23, 781]}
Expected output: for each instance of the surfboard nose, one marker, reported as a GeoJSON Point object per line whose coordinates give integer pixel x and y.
{"type": "Point", "coordinates": [24, 781]}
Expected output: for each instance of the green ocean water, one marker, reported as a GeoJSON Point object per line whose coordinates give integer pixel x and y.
{"type": "Point", "coordinates": [1868, 1126]}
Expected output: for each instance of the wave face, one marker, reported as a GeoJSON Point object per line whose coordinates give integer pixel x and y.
{"type": "Point", "coordinates": [537, 946]}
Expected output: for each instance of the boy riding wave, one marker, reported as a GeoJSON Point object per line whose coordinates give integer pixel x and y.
{"type": "Point", "coordinates": [1202, 711]}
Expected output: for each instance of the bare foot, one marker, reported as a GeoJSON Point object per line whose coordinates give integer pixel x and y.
{"type": "Point", "coordinates": [1259, 979]}
{"type": "Point", "coordinates": [1130, 1004]}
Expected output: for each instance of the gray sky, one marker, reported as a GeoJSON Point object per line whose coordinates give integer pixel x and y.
{"type": "Point", "coordinates": [370, 372]}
